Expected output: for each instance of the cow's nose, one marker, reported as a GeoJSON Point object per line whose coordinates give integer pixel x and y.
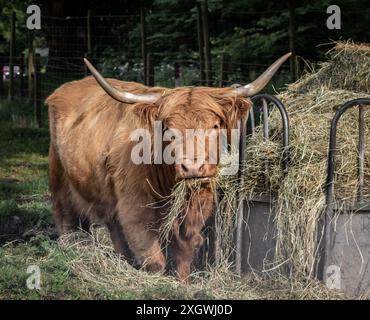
{"type": "Point", "coordinates": [191, 169]}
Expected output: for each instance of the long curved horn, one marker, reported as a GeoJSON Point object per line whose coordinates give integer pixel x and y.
{"type": "Point", "coordinates": [121, 96]}
{"type": "Point", "coordinates": [258, 84]}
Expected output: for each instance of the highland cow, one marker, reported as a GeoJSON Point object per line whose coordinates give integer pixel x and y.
{"type": "Point", "coordinates": [92, 175]}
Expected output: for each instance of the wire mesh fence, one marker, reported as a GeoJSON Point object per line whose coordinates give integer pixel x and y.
{"type": "Point", "coordinates": [120, 48]}
{"type": "Point", "coordinates": [114, 45]}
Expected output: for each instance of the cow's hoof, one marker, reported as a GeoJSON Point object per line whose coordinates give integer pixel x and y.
{"type": "Point", "coordinates": [154, 265]}
{"type": "Point", "coordinates": [183, 275]}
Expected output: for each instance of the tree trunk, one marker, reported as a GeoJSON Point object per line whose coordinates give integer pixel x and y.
{"type": "Point", "coordinates": [200, 44]}
{"type": "Point", "coordinates": [207, 46]}
{"type": "Point", "coordinates": [143, 45]}
{"type": "Point", "coordinates": [292, 36]}
{"type": "Point", "coordinates": [11, 57]}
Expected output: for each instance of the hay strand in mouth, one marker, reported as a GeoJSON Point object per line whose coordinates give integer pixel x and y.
{"type": "Point", "coordinates": [179, 202]}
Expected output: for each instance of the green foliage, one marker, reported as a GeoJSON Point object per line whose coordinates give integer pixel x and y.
{"type": "Point", "coordinates": [249, 33]}
{"type": "Point", "coordinates": [7, 7]}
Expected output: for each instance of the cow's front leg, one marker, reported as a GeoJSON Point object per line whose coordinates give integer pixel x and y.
{"type": "Point", "coordinates": [119, 241]}
{"type": "Point", "coordinates": [188, 236]}
{"type": "Point", "coordinates": [140, 228]}
{"type": "Point", "coordinates": [184, 250]}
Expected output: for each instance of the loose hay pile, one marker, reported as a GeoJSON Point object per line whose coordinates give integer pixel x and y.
{"type": "Point", "coordinates": [311, 103]}
{"type": "Point", "coordinates": [92, 260]}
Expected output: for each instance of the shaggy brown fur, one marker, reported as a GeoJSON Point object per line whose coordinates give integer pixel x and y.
{"type": "Point", "coordinates": [92, 175]}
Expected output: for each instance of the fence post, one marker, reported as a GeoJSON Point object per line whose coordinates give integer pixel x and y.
{"type": "Point", "coordinates": [21, 79]}
{"type": "Point", "coordinates": [36, 86]}
{"type": "Point", "coordinates": [150, 70]}
{"type": "Point", "coordinates": [177, 74]}
{"type": "Point", "coordinates": [291, 33]}
{"type": "Point", "coordinates": [85, 67]}
{"type": "Point", "coordinates": [223, 70]}
{"type": "Point", "coordinates": [11, 57]}
{"type": "Point", "coordinates": [143, 44]}
{"type": "Point", "coordinates": [207, 48]}
{"type": "Point", "coordinates": [1, 78]}
{"type": "Point", "coordinates": [30, 64]}
{"type": "Point", "coordinates": [87, 54]}
{"type": "Point", "coordinates": [88, 33]}
{"type": "Point", "coordinates": [200, 43]}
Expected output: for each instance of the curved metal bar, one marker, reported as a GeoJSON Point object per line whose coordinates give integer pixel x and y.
{"type": "Point", "coordinates": [323, 233]}
{"type": "Point", "coordinates": [361, 154]}
{"type": "Point", "coordinates": [285, 120]}
{"type": "Point", "coordinates": [266, 98]}
{"type": "Point", "coordinates": [333, 145]}
{"type": "Point", "coordinates": [239, 199]}
{"type": "Point", "coordinates": [251, 119]}
{"type": "Point", "coordinates": [265, 113]}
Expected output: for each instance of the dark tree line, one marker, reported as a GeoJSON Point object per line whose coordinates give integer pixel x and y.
{"type": "Point", "coordinates": [245, 31]}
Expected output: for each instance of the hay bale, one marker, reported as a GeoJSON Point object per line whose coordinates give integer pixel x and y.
{"type": "Point", "coordinates": [311, 103]}
{"type": "Point", "coordinates": [347, 68]}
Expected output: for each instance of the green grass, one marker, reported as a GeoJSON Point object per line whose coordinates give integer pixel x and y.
{"type": "Point", "coordinates": [26, 223]}
{"type": "Point", "coordinates": [24, 195]}
{"type": "Point", "coordinates": [57, 281]}
{"type": "Point", "coordinates": [20, 113]}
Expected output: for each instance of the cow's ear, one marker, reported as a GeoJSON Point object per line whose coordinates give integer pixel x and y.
{"type": "Point", "coordinates": [236, 111]}
{"type": "Point", "coordinates": [148, 113]}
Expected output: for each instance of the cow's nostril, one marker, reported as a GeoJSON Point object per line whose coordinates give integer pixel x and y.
{"type": "Point", "coordinates": [184, 168]}
{"type": "Point", "coordinates": [201, 168]}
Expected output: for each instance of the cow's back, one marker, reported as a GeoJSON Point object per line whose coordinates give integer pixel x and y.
{"type": "Point", "coordinates": [90, 136]}
{"type": "Point", "coordinates": [83, 122]}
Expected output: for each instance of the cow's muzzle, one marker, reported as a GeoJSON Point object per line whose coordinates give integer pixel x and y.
{"type": "Point", "coordinates": [195, 170]}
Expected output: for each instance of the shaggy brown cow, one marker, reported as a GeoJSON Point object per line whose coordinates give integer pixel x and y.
{"type": "Point", "coordinates": [92, 175]}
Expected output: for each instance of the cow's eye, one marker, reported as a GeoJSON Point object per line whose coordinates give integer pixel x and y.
{"type": "Point", "coordinates": [216, 126]}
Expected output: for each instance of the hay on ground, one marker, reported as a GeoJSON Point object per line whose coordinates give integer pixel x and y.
{"type": "Point", "coordinates": [91, 259]}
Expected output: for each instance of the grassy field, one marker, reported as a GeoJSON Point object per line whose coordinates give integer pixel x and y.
{"type": "Point", "coordinates": [27, 233]}
{"type": "Point", "coordinates": [26, 227]}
